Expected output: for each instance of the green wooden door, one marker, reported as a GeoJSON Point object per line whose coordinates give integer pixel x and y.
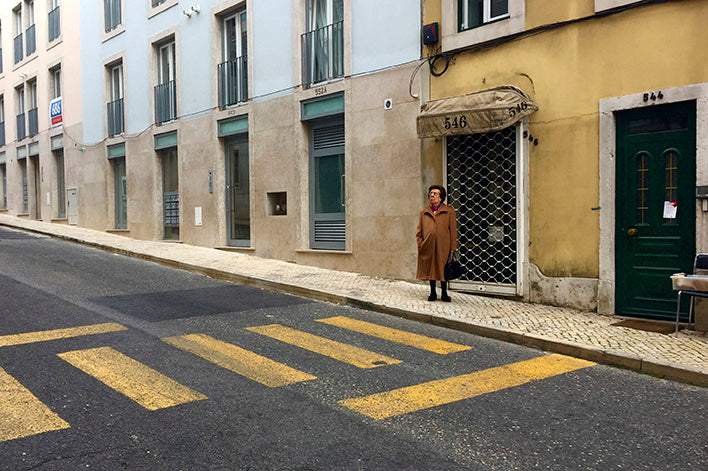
{"type": "Point", "coordinates": [656, 174]}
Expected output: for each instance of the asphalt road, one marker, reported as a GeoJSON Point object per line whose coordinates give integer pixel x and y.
{"type": "Point", "coordinates": [110, 375]}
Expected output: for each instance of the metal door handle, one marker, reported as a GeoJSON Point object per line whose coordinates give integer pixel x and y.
{"type": "Point", "coordinates": [341, 191]}
{"type": "Point", "coordinates": [632, 232]}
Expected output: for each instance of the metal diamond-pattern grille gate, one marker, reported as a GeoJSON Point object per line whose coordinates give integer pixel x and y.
{"type": "Point", "coordinates": [481, 179]}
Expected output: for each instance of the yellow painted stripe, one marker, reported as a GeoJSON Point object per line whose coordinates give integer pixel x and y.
{"type": "Point", "coordinates": [394, 335]}
{"type": "Point", "coordinates": [241, 361]}
{"type": "Point", "coordinates": [45, 335]}
{"type": "Point", "coordinates": [444, 391]}
{"type": "Point", "coordinates": [339, 351]}
{"type": "Point", "coordinates": [142, 384]}
{"type": "Point", "coordinates": [21, 413]}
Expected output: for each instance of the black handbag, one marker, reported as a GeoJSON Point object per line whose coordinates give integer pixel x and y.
{"type": "Point", "coordinates": [453, 268]}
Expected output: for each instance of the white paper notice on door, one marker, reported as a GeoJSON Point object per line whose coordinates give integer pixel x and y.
{"type": "Point", "coordinates": [670, 209]}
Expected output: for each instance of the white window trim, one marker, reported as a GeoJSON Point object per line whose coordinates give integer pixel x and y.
{"type": "Point", "coordinates": [452, 39]}
{"type": "Point", "coordinates": [486, 12]}
{"type": "Point", "coordinates": [236, 17]}
{"type": "Point", "coordinates": [116, 75]}
{"type": "Point", "coordinates": [602, 5]}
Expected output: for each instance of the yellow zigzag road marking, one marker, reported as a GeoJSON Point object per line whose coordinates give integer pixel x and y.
{"type": "Point", "coordinates": [21, 413]}
{"type": "Point", "coordinates": [142, 384]}
{"type": "Point", "coordinates": [339, 351]}
{"type": "Point", "coordinates": [394, 335]}
{"type": "Point", "coordinates": [45, 335]}
{"type": "Point", "coordinates": [445, 391]}
{"type": "Point", "coordinates": [241, 361]}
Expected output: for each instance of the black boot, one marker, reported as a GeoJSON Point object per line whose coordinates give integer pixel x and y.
{"type": "Point", "coordinates": [444, 296]}
{"type": "Point", "coordinates": [433, 295]}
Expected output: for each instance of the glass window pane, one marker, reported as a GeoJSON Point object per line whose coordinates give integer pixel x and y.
{"type": "Point", "coordinates": [642, 185]}
{"type": "Point", "coordinates": [169, 170]}
{"type": "Point", "coordinates": [657, 124]}
{"type": "Point", "coordinates": [338, 11]}
{"type": "Point", "coordinates": [471, 13]}
{"type": "Point", "coordinates": [329, 171]}
{"type": "Point", "coordinates": [499, 8]}
{"type": "Point", "coordinates": [670, 179]}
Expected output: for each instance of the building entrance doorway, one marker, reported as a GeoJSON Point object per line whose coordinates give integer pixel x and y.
{"type": "Point", "coordinates": [238, 216]}
{"type": "Point", "coordinates": [482, 187]}
{"type": "Point", "coordinates": [655, 232]}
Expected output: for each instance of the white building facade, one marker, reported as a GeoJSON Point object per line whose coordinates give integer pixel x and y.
{"type": "Point", "coordinates": [284, 129]}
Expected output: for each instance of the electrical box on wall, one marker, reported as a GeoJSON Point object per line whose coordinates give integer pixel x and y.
{"type": "Point", "coordinates": [430, 34]}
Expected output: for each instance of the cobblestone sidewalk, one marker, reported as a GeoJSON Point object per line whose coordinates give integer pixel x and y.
{"type": "Point", "coordinates": [682, 356]}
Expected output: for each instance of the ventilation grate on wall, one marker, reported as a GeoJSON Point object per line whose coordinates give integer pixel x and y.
{"type": "Point", "coordinates": [327, 137]}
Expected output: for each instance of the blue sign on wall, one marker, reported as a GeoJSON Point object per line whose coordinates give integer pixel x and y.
{"type": "Point", "coordinates": [56, 116]}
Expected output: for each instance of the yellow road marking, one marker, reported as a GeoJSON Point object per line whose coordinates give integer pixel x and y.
{"type": "Point", "coordinates": [444, 391]}
{"type": "Point", "coordinates": [394, 335]}
{"type": "Point", "coordinates": [21, 413]}
{"type": "Point", "coordinates": [239, 360]}
{"type": "Point", "coordinates": [142, 384]}
{"type": "Point", "coordinates": [43, 336]}
{"type": "Point", "coordinates": [339, 351]}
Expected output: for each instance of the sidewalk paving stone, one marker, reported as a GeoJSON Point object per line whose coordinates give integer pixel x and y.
{"type": "Point", "coordinates": [681, 357]}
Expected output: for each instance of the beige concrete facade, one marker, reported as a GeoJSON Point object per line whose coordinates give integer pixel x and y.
{"type": "Point", "coordinates": [383, 184]}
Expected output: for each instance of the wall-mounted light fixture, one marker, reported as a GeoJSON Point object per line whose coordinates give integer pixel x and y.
{"type": "Point", "coordinates": [191, 10]}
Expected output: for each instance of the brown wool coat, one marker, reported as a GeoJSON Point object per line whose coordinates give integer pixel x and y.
{"type": "Point", "coordinates": [437, 237]}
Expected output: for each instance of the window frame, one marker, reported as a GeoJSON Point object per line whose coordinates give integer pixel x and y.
{"type": "Point", "coordinates": [108, 10]}
{"type": "Point", "coordinates": [20, 93]}
{"type": "Point", "coordinates": [463, 11]}
{"type": "Point", "coordinates": [170, 47]}
{"type": "Point", "coordinates": [56, 81]}
{"type": "Point", "coordinates": [453, 39]}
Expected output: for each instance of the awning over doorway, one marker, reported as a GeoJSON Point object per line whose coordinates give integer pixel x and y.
{"type": "Point", "coordinates": [486, 111]}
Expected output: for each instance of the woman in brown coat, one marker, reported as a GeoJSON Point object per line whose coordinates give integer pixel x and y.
{"type": "Point", "coordinates": [437, 240]}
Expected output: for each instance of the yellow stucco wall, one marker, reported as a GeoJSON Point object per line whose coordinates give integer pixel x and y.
{"type": "Point", "coordinates": [567, 71]}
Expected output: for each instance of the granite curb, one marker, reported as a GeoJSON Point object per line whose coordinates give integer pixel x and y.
{"type": "Point", "coordinates": [668, 370]}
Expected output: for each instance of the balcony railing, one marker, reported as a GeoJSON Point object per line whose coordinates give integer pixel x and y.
{"type": "Point", "coordinates": [2, 133]}
{"type": "Point", "coordinates": [31, 40]}
{"type": "Point", "coordinates": [233, 81]}
{"type": "Point", "coordinates": [19, 52]}
{"type": "Point", "coordinates": [21, 130]}
{"type": "Point", "coordinates": [323, 53]}
{"type": "Point", "coordinates": [115, 117]}
{"type": "Point", "coordinates": [54, 24]}
{"type": "Point", "coordinates": [165, 102]}
{"type": "Point", "coordinates": [33, 122]}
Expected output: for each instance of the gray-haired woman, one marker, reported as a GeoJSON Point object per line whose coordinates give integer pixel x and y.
{"type": "Point", "coordinates": [436, 235]}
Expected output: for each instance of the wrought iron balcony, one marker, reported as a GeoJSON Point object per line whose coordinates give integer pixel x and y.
{"type": "Point", "coordinates": [233, 81]}
{"type": "Point", "coordinates": [54, 24]}
{"type": "Point", "coordinates": [19, 51]}
{"type": "Point", "coordinates": [21, 129]}
{"type": "Point", "coordinates": [32, 122]}
{"type": "Point", "coordinates": [31, 40]}
{"type": "Point", "coordinates": [165, 102]}
{"type": "Point", "coordinates": [115, 117]}
{"type": "Point", "coordinates": [323, 54]}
